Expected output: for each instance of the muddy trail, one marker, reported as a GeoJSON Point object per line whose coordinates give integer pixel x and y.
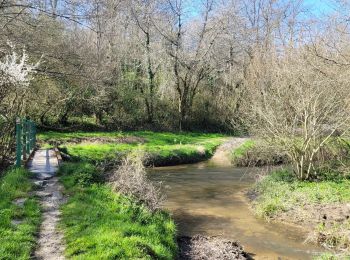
{"type": "Point", "coordinates": [50, 240]}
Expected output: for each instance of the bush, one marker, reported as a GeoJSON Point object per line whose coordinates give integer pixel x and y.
{"type": "Point", "coordinates": [131, 180]}
{"type": "Point", "coordinates": [79, 174]}
{"type": "Point", "coordinates": [258, 153]}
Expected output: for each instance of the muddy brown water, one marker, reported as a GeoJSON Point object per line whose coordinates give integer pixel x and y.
{"type": "Point", "coordinates": [209, 200]}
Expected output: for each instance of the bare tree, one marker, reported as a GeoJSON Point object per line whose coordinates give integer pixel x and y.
{"type": "Point", "coordinates": [299, 108]}
{"type": "Point", "coordinates": [143, 13]}
{"type": "Point", "coordinates": [189, 50]}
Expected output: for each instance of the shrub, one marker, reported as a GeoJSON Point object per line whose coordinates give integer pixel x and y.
{"type": "Point", "coordinates": [258, 153]}
{"type": "Point", "coordinates": [131, 180]}
{"type": "Point", "coordinates": [80, 174]}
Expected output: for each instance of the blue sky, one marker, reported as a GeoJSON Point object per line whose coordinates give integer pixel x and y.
{"type": "Point", "coordinates": [319, 7]}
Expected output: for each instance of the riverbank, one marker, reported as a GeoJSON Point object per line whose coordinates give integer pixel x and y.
{"type": "Point", "coordinates": [321, 207]}
{"type": "Point", "coordinates": [160, 148]}
{"type": "Point", "coordinates": [124, 228]}
{"type": "Point", "coordinates": [99, 223]}
{"type": "Point", "coordinates": [129, 229]}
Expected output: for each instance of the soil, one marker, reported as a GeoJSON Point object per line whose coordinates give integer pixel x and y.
{"type": "Point", "coordinates": [327, 223]}
{"type": "Point", "coordinates": [209, 248]}
{"type": "Point", "coordinates": [311, 215]}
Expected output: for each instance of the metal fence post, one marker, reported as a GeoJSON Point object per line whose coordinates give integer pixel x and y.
{"type": "Point", "coordinates": [27, 122]}
{"type": "Point", "coordinates": [24, 137]}
{"type": "Point", "coordinates": [18, 142]}
{"type": "Point", "coordinates": [30, 136]}
{"type": "Point", "coordinates": [34, 138]}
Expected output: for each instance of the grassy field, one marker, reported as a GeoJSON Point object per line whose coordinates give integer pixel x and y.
{"type": "Point", "coordinates": [17, 240]}
{"type": "Point", "coordinates": [321, 205]}
{"type": "Point", "coordinates": [161, 148]}
{"type": "Point", "coordinates": [101, 224]}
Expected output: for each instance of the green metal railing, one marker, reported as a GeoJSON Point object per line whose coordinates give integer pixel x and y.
{"type": "Point", "coordinates": [25, 139]}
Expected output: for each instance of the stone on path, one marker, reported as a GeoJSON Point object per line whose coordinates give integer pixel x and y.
{"type": "Point", "coordinates": [20, 202]}
{"type": "Point", "coordinates": [50, 242]}
{"type": "Point", "coordinates": [16, 222]}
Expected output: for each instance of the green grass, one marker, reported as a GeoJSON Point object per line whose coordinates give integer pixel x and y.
{"type": "Point", "coordinates": [282, 197]}
{"type": "Point", "coordinates": [242, 150]}
{"type": "Point", "coordinates": [161, 148]}
{"type": "Point", "coordinates": [280, 191]}
{"type": "Point", "coordinates": [17, 241]}
{"type": "Point", "coordinates": [101, 224]}
{"type": "Point", "coordinates": [330, 256]}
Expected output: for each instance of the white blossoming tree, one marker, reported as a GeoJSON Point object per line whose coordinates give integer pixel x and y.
{"type": "Point", "coordinates": [15, 76]}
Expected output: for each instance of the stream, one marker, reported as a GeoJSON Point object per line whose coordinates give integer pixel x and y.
{"type": "Point", "coordinates": [209, 200]}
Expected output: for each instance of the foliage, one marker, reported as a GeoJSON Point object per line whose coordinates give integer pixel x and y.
{"type": "Point", "coordinates": [101, 224]}
{"type": "Point", "coordinates": [81, 174]}
{"type": "Point", "coordinates": [242, 150]}
{"type": "Point", "coordinates": [333, 236]}
{"type": "Point", "coordinates": [15, 71]}
{"type": "Point", "coordinates": [17, 240]}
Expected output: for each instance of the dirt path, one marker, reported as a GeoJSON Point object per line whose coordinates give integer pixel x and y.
{"type": "Point", "coordinates": [50, 242]}
{"type": "Point", "coordinates": [222, 154]}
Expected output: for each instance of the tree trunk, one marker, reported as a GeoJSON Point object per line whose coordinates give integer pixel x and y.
{"type": "Point", "coordinates": [151, 75]}
{"type": "Point", "coordinates": [64, 119]}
